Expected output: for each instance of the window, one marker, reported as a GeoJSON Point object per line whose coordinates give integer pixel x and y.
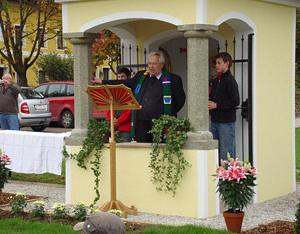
{"type": "Point", "coordinates": [44, 38]}
{"type": "Point", "coordinates": [17, 29]}
{"type": "Point", "coordinates": [15, 74]}
{"type": "Point", "coordinates": [42, 89]}
{"type": "Point", "coordinates": [54, 90]}
{"type": "Point", "coordinates": [1, 35]}
{"type": "Point", "coordinates": [41, 76]}
{"type": "Point", "coordinates": [70, 90]}
{"type": "Point", "coordinates": [60, 41]}
{"type": "Point", "coordinates": [105, 73]}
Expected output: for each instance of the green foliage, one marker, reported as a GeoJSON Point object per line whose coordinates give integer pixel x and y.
{"type": "Point", "coordinates": [56, 67]}
{"type": "Point", "coordinates": [38, 210]}
{"type": "Point", "coordinates": [3, 5]}
{"type": "Point", "coordinates": [94, 141]}
{"type": "Point", "coordinates": [80, 212]}
{"type": "Point", "coordinates": [297, 142]}
{"type": "Point", "coordinates": [18, 225]}
{"type": "Point", "coordinates": [236, 195]}
{"type": "Point", "coordinates": [60, 211]}
{"type": "Point", "coordinates": [4, 161]}
{"type": "Point", "coordinates": [167, 161]}
{"type": "Point", "coordinates": [297, 222]}
{"type": "Point", "coordinates": [18, 203]}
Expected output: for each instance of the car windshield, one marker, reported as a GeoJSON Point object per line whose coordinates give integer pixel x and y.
{"type": "Point", "coordinates": [31, 94]}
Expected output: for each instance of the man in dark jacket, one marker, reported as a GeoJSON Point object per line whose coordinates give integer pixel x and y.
{"type": "Point", "coordinates": [156, 90]}
{"type": "Point", "coordinates": [9, 104]}
{"type": "Point", "coordinates": [224, 98]}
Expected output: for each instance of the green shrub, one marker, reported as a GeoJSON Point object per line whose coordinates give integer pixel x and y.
{"type": "Point", "coordinates": [297, 222]}
{"type": "Point", "coordinates": [18, 203]}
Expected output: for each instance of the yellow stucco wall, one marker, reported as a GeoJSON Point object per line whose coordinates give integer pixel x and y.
{"type": "Point", "coordinates": [184, 10]}
{"type": "Point", "coordinates": [272, 74]}
{"type": "Point", "coordinates": [134, 186]}
{"type": "Point", "coordinates": [274, 90]}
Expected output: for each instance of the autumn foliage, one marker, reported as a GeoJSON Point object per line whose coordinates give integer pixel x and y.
{"type": "Point", "coordinates": [106, 49]}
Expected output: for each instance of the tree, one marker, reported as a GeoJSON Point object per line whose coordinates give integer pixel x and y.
{"type": "Point", "coordinates": [106, 48]}
{"type": "Point", "coordinates": [35, 21]}
{"type": "Point", "coordinates": [55, 67]}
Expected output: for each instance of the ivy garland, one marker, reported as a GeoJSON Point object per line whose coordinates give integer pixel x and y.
{"type": "Point", "coordinates": [95, 136]}
{"type": "Point", "coordinates": [167, 161]}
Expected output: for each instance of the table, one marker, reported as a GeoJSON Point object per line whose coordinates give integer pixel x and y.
{"type": "Point", "coordinates": [33, 152]}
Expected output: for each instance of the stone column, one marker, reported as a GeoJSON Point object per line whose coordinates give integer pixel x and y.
{"type": "Point", "coordinates": [82, 49]}
{"type": "Point", "coordinates": [197, 84]}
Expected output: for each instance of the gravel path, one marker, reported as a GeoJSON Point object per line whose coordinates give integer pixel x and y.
{"type": "Point", "coordinates": [281, 208]}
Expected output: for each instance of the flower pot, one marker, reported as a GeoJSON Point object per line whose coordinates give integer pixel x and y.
{"type": "Point", "coordinates": [233, 220]}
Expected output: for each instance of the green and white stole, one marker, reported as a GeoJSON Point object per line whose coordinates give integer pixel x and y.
{"type": "Point", "coordinates": [166, 81]}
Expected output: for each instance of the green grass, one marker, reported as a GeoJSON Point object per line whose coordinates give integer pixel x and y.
{"type": "Point", "coordinates": [21, 226]}
{"type": "Point", "coordinates": [41, 178]}
{"type": "Point", "coordinates": [191, 229]}
{"type": "Point", "coordinates": [297, 140]}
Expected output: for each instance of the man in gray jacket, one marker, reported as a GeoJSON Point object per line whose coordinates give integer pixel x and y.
{"type": "Point", "coordinates": [9, 104]}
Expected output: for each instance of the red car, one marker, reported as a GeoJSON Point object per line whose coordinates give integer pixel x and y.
{"type": "Point", "coordinates": [60, 95]}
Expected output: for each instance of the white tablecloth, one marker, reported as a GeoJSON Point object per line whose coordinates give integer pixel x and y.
{"type": "Point", "coordinates": [33, 152]}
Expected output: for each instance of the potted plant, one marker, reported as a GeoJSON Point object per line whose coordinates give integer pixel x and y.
{"type": "Point", "coordinates": [167, 160]}
{"type": "Point", "coordinates": [4, 161]}
{"type": "Point", "coordinates": [236, 181]}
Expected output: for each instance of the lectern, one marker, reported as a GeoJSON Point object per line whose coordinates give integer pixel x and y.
{"type": "Point", "coordinates": [113, 97]}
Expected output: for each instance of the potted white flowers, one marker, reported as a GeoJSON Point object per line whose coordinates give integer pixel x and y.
{"type": "Point", "coordinates": [236, 181]}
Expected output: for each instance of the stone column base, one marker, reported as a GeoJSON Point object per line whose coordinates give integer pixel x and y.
{"type": "Point", "coordinates": [202, 140]}
{"type": "Point", "coordinates": [77, 137]}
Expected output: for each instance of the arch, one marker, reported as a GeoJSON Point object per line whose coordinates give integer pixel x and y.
{"type": "Point", "coordinates": [121, 17]}
{"type": "Point", "coordinates": [243, 24]}
{"type": "Point", "coordinates": [161, 38]}
{"type": "Point", "coordinates": [238, 21]}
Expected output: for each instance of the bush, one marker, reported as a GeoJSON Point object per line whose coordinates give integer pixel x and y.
{"type": "Point", "coordinates": [18, 203]}
{"type": "Point", "coordinates": [297, 222]}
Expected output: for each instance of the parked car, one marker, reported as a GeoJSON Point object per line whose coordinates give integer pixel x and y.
{"type": "Point", "coordinates": [60, 95]}
{"type": "Point", "coordinates": [34, 110]}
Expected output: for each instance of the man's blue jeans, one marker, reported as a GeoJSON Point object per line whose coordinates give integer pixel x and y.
{"type": "Point", "coordinates": [9, 122]}
{"type": "Point", "coordinates": [225, 133]}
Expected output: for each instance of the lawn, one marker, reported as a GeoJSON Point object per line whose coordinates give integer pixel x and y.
{"type": "Point", "coordinates": [297, 140]}
{"type": "Point", "coordinates": [22, 226]}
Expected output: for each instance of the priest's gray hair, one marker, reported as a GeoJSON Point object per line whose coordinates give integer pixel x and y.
{"type": "Point", "coordinates": [161, 57]}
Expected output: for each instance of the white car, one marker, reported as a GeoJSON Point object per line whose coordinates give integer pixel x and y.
{"type": "Point", "coordinates": [34, 109]}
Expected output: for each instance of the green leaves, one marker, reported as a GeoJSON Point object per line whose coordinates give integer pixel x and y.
{"type": "Point", "coordinates": [94, 141]}
{"type": "Point", "coordinates": [237, 194]}
{"type": "Point", "coordinates": [56, 67]}
{"type": "Point", "coordinates": [167, 161]}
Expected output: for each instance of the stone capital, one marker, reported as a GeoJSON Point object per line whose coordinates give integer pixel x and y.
{"type": "Point", "coordinates": [81, 37]}
{"type": "Point", "coordinates": [197, 30]}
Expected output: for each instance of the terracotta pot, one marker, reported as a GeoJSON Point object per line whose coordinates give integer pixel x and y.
{"type": "Point", "coordinates": [168, 133]}
{"type": "Point", "coordinates": [106, 138]}
{"type": "Point", "coordinates": [234, 221]}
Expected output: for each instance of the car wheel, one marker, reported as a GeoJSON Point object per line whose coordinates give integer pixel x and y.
{"type": "Point", "coordinates": [67, 119]}
{"type": "Point", "coordinates": [38, 128]}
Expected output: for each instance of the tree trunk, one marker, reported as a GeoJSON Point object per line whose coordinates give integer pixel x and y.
{"type": "Point", "coordinates": [22, 79]}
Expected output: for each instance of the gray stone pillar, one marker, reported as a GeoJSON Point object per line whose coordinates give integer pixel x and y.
{"type": "Point", "coordinates": [82, 49]}
{"type": "Point", "coordinates": [197, 84]}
